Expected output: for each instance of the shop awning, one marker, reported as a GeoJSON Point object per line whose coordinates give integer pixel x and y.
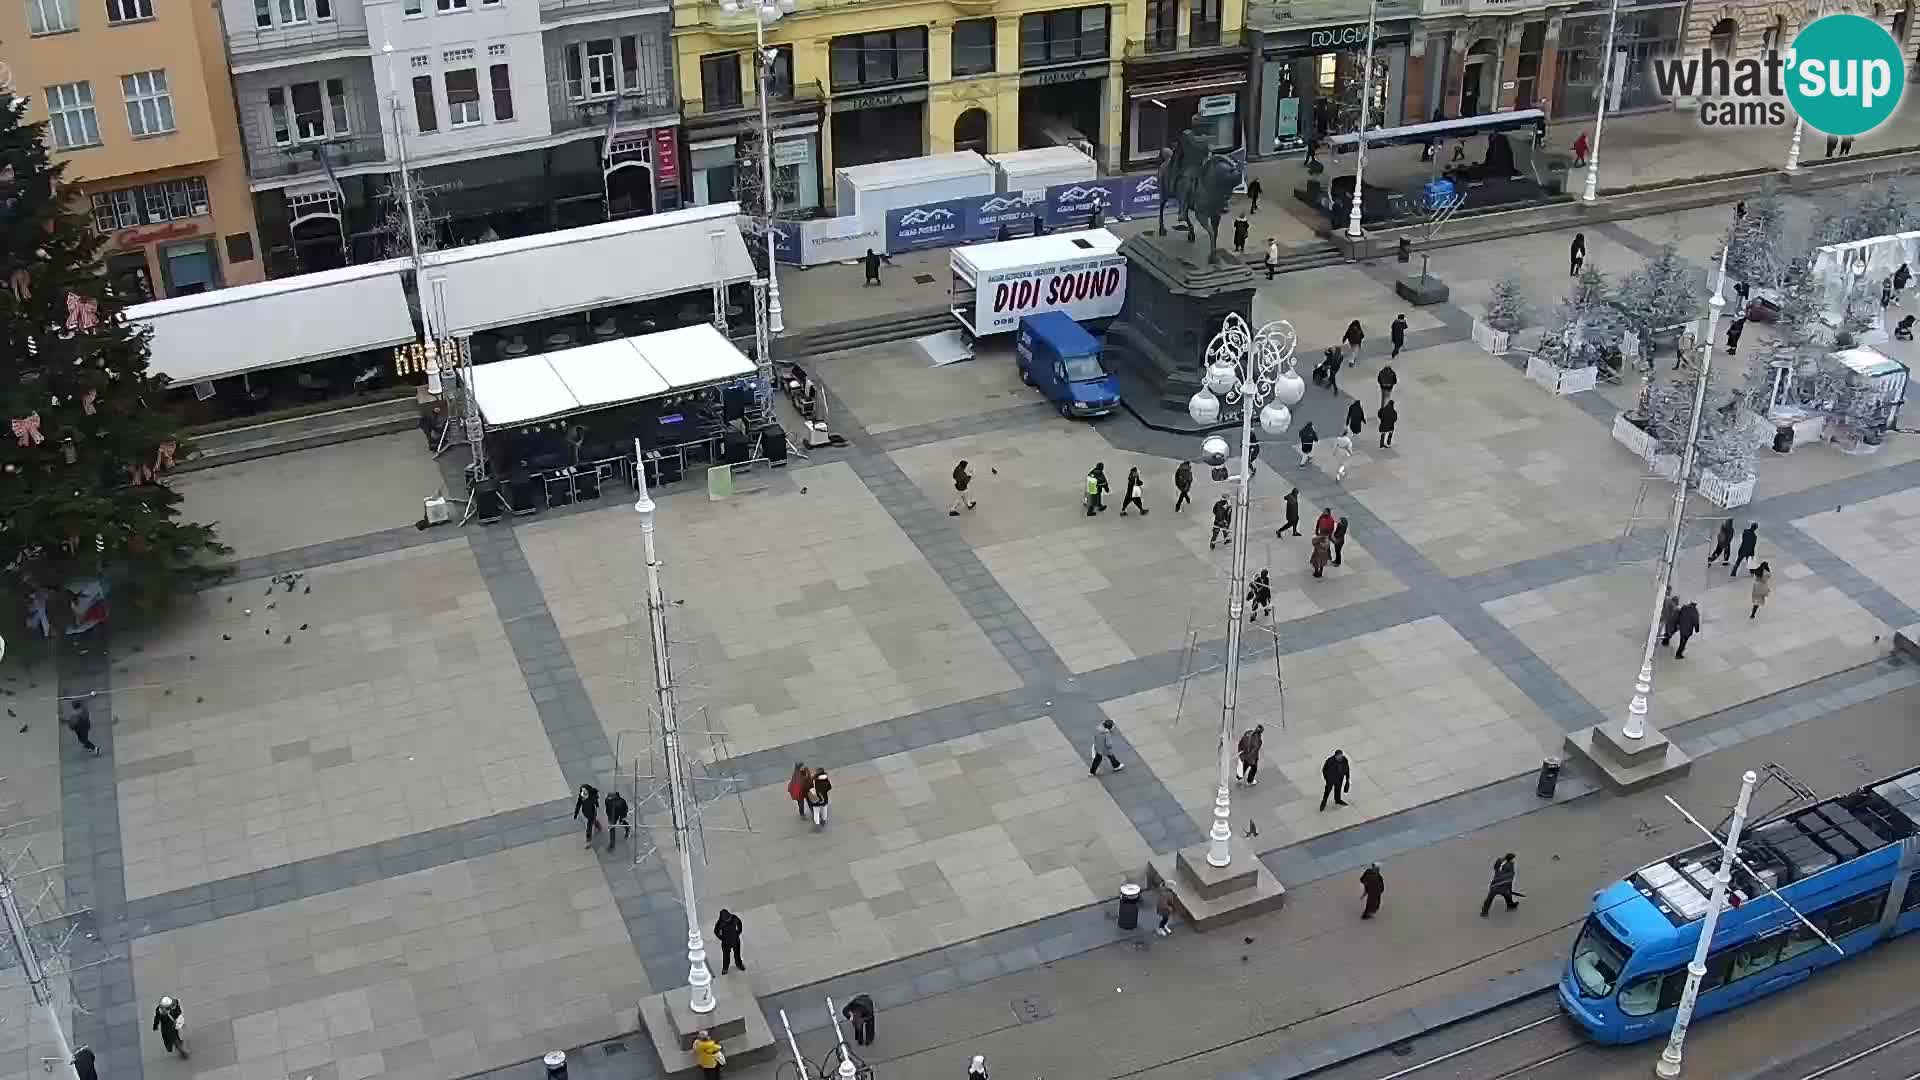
{"type": "Point", "coordinates": [277, 323]}
{"type": "Point", "coordinates": [620, 262]}
{"type": "Point", "coordinates": [1201, 84]}
{"type": "Point", "coordinates": [607, 373]}
{"type": "Point", "coordinates": [1516, 120]}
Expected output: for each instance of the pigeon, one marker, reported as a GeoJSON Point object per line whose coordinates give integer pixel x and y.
{"type": "Point", "coordinates": [288, 640]}
{"type": "Point", "coordinates": [226, 637]}
{"type": "Point", "coordinates": [306, 590]}
{"type": "Point", "coordinates": [269, 590]}
{"type": "Point", "coordinates": [249, 613]}
{"type": "Point", "coordinates": [199, 701]}
{"type": "Point", "coordinates": [23, 729]}
{"type": "Point", "coordinates": [168, 692]}
{"type": "Point", "coordinates": [229, 599]}
{"type": "Point", "coordinates": [191, 658]}
{"type": "Point", "coordinates": [303, 626]}
{"type": "Point", "coordinates": [268, 631]}
{"type": "Point", "coordinates": [271, 605]}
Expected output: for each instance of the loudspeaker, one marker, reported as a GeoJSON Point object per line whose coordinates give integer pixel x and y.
{"type": "Point", "coordinates": [773, 443]}
{"type": "Point", "coordinates": [734, 402]}
{"type": "Point", "coordinates": [488, 501]}
{"type": "Point", "coordinates": [736, 451]}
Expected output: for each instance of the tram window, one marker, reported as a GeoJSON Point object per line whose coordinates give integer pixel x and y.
{"type": "Point", "coordinates": [1913, 893]}
{"type": "Point", "coordinates": [1653, 993]}
{"type": "Point", "coordinates": [1754, 957]}
{"type": "Point", "coordinates": [1854, 914]}
{"type": "Point", "coordinates": [1597, 960]}
{"type": "Point", "coordinates": [1801, 942]}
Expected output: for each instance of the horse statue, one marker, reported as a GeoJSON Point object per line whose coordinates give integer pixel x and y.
{"type": "Point", "coordinates": [1201, 181]}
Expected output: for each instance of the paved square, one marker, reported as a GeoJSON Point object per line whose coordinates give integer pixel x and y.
{"type": "Point", "coordinates": [1879, 537]}
{"type": "Point", "coordinates": [794, 615]}
{"type": "Point", "coordinates": [397, 709]}
{"type": "Point", "coordinates": [1420, 714]}
{"type": "Point", "coordinates": [926, 848]}
{"type": "Point", "coordinates": [429, 975]}
{"type": "Point", "coordinates": [1320, 303]}
{"type": "Point", "coordinates": [889, 387]}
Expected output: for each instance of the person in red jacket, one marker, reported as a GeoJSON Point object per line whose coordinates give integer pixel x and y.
{"type": "Point", "coordinates": [1323, 526]}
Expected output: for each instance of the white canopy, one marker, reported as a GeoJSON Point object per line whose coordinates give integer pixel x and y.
{"type": "Point", "coordinates": [618, 262]}
{"type": "Point", "coordinates": [277, 323]}
{"type": "Point", "coordinates": [1443, 129]}
{"type": "Point", "coordinates": [606, 373]}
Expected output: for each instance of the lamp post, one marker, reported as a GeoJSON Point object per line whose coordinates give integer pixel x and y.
{"type": "Point", "coordinates": [1246, 368]}
{"type": "Point", "coordinates": [1799, 125]}
{"type": "Point", "coordinates": [37, 975]}
{"type": "Point", "coordinates": [679, 799]}
{"type": "Point", "coordinates": [1669, 1064]}
{"type": "Point", "coordinates": [1636, 723]}
{"type": "Point", "coordinates": [763, 13]}
{"type": "Point", "coordinates": [1592, 192]}
{"type": "Point", "coordinates": [1366, 100]}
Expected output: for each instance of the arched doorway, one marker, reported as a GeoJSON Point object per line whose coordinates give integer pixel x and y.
{"type": "Point", "coordinates": [1722, 37]}
{"type": "Point", "coordinates": [629, 189]}
{"type": "Point", "coordinates": [317, 242]}
{"type": "Point", "coordinates": [1774, 38]}
{"type": "Point", "coordinates": [972, 131]}
{"type": "Point", "coordinates": [1477, 80]}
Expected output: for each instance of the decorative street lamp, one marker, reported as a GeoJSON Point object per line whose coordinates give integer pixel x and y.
{"type": "Point", "coordinates": [764, 13]}
{"type": "Point", "coordinates": [1354, 231]}
{"type": "Point", "coordinates": [1248, 369]}
{"type": "Point", "coordinates": [1635, 727]}
{"type": "Point", "coordinates": [1669, 1063]}
{"type": "Point", "coordinates": [1592, 193]}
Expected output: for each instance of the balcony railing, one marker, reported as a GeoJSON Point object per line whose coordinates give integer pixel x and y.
{"type": "Point", "coordinates": [305, 159]}
{"type": "Point", "coordinates": [806, 93]}
{"type": "Point", "coordinates": [561, 9]}
{"type": "Point", "coordinates": [1166, 43]}
{"type": "Point", "coordinates": [635, 107]}
{"type": "Point", "coordinates": [293, 43]}
{"type": "Point", "coordinates": [1272, 14]}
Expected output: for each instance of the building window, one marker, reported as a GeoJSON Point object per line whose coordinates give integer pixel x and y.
{"type": "Point", "coordinates": [720, 81]}
{"type": "Point", "coordinates": [71, 117]}
{"type": "Point", "coordinates": [973, 46]}
{"type": "Point", "coordinates": [463, 97]}
{"type": "Point", "coordinates": [316, 111]}
{"type": "Point", "coordinates": [149, 105]}
{"type": "Point", "coordinates": [496, 49]}
{"type": "Point", "coordinates": [323, 10]}
{"type": "Point", "coordinates": [502, 92]}
{"type": "Point", "coordinates": [1053, 37]}
{"type": "Point", "coordinates": [337, 106]}
{"type": "Point", "coordinates": [1533, 41]}
{"type": "Point", "coordinates": [421, 62]}
{"type": "Point", "coordinates": [410, 8]}
{"type": "Point", "coordinates": [423, 111]}
{"type": "Point", "coordinates": [1205, 29]}
{"type": "Point", "coordinates": [50, 16]}
{"type": "Point", "coordinates": [780, 75]}
{"type": "Point", "coordinates": [890, 56]}
{"type": "Point", "coordinates": [595, 70]}
{"type": "Point", "coordinates": [150, 204]}
{"type": "Point", "coordinates": [309, 115]}
{"type": "Point", "coordinates": [1163, 24]}
{"type": "Point", "coordinates": [277, 114]}
{"type": "Point", "coordinates": [449, 5]}
{"type": "Point", "coordinates": [456, 56]}
{"type": "Point", "coordinates": [119, 11]}
{"type": "Point", "coordinates": [293, 12]}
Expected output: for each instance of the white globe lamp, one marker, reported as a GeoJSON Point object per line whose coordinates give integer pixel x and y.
{"type": "Point", "coordinates": [1220, 377]}
{"type": "Point", "coordinates": [1275, 419]}
{"type": "Point", "coordinates": [1214, 450]}
{"type": "Point", "coordinates": [1204, 407]}
{"type": "Point", "coordinates": [1289, 388]}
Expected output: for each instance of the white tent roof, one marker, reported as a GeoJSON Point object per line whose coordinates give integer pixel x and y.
{"type": "Point", "coordinates": [606, 373]}
{"type": "Point", "coordinates": [618, 262]}
{"type": "Point", "coordinates": [276, 323]}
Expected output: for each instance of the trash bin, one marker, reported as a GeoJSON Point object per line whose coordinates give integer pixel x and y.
{"type": "Point", "coordinates": [1406, 250]}
{"type": "Point", "coordinates": [556, 1062]}
{"type": "Point", "coordinates": [1129, 906]}
{"type": "Point", "coordinates": [1549, 778]}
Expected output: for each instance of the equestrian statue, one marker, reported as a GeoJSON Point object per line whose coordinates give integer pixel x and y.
{"type": "Point", "coordinates": [1200, 181]}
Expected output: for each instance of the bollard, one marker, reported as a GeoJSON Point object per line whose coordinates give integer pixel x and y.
{"type": "Point", "coordinates": [556, 1063]}
{"type": "Point", "coordinates": [1549, 778]}
{"type": "Point", "coordinates": [1129, 906]}
{"type": "Point", "coordinates": [1406, 250]}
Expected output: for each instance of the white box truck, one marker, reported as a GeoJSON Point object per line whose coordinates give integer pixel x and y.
{"type": "Point", "coordinates": [1081, 273]}
{"type": "Point", "coordinates": [1032, 172]}
{"type": "Point", "coordinates": [867, 192]}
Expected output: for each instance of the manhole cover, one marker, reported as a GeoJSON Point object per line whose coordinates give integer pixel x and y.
{"type": "Point", "coordinates": [1401, 1049]}
{"type": "Point", "coordinates": [612, 1048]}
{"type": "Point", "coordinates": [1031, 1009]}
{"type": "Point", "coordinates": [923, 279]}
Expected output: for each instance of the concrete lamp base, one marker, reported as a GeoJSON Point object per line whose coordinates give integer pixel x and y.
{"type": "Point", "coordinates": [1210, 896]}
{"type": "Point", "coordinates": [1629, 764]}
{"type": "Point", "coordinates": [737, 1021]}
{"type": "Point", "coordinates": [1907, 640]}
{"type": "Point", "coordinates": [1420, 290]}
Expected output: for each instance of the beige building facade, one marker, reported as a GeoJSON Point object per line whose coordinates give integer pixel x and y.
{"type": "Point", "coordinates": [1754, 27]}
{"type": "Point", "coordinates": [138, 106]}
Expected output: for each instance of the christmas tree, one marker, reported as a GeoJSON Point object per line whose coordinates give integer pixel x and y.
{"type": "Point", "coordinates": [1507, 304]}
{"type": "Point", "coordinates": [1661, 294]}
{"type": "Point", "coordinates": [1840, 220]}
{"type": "Point", "coordinates": [1755, 253]}
{"type": "Point", "coordinates": [1883, 211]}
{"type": "Point", "coordinates": [1586, 327]}
{"type": "Point", "coordinates": [84, 513]}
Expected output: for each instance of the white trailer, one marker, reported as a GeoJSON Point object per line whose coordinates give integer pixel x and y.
{"type": "Point", "coordinates": [1032, 172]}
{"type": "Point", "coordinates": [1081, 273]}
{"type": "Point", "coordinates": [867, 192]}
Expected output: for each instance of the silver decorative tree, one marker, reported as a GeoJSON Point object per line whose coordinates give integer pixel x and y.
{"type": "Point", "coordinates": [1586, 326]}
{"type": "Point", "coordinates": [1508, 310]}
{"type": "Point", "coordinates": [1757, 250]}
{"type": "Point", "coordinates": [1659, 294]}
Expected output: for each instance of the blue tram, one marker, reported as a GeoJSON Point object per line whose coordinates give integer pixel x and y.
{"type": "Point", "coordinates": [1851, 864]}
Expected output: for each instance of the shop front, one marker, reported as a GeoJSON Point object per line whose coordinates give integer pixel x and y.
{"type": "Point", "coordinates": [1645, 33]}
{"type": "Point", "coordinates": [1163, 102]}
{"type": "Point", "coordinates": [872, 127]}
{"type": "Point", "coordinates": [719, 148]}
{"type": "Point", "coordinates": [163, 239]}
{"type": "Point", "coordinates": [1063, 106]}
{"type": "Point", "coordinates": [641, 171]}
{"type": "Point", "coordinates": [1311, 81]}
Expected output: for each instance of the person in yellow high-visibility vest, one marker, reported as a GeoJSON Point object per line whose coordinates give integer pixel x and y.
{"type": "Point", "coordinates": [1096, 487]}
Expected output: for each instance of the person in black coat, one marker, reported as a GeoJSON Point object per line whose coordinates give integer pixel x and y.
{"type": "Point", "coordinates": [83, 1066]}
{"type": "Point", "coordinates": [728, 929]}
{"type": "Point", "coordinates": [1353, 339]}
{"type": "Point", "coordinates": [1389, 416]}
{"type": "Point", "coordinates": [168, 1022]}
{"type": "Point", "coordinates": [1373, 885]}
{"type": "Point", "coordinates": [1734, 330]}
{"type": "Point", "coordinates": [1669, 618]}
{"type": "Point", "coordinates": [1260, 596]}
{"type": "Point", "coordinates": [1398, 332]}
{"type": "Point", "coordinates": [1253, 195]}
{"type": "Point", "coordinates": [1222, 524]}
{"type": "Point", "coordinates": [1749, 544]}
{"type": "Point", "coordinates": [1241, 226]}
{"type": "Point", "coordinates": [616, 818]}
{"type": "Point", "coordinates": [1183, 483]}
{"type": "Point", "coordinates": [1577, 254]}
{"type": "Point", "coordinates": [1686, 624]}
{"type": "Point", "coordinates": [1501, 885]}
{"type": "Point", "coordinates": [1356, 417]}
{"type": "Point", "coordinates": [1722, 544]}
{"type": "Point", "coordinates": [587, 805]}
{"type": "Point", "coordinates": [1308, 437]}
{"type": "Point", "coordinates": [1339, 540]}
{"type": "Point", "coordinates": [1337, 771]}
{"type": "Point", "coordinates": [1293, 515]}
{"type": "Point", "coordinates": [859, 1012]}
{"type": "Point", "coordinates": [80, 719]}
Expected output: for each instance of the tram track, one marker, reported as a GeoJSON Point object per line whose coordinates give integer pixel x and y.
{"type": "Point", "coordinates": [1841, 1069]}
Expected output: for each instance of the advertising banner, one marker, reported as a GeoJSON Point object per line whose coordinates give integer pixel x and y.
{"type": "Point", "coordinates": [972, 220]}
{"type": "Point", "coordinates": [1125, 198]}
{"type": "Point", "coordinates": [786, 242]}
{"type": "Point", "coordinates": [1089, 288]}
{"type": "Point", "coordinates": [827, 240]}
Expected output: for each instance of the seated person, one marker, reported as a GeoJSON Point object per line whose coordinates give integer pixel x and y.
{"type": "Point", "coordinates": [1903, 331]}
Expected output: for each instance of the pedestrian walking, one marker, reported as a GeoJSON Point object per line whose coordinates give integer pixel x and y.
{"type": "Point", "coordinates": [1577, 254]}
{"type": "Point", "coordinates": [871, 262]}
{"type": "Point", "coordinates": [1182, 485]}
{"type": "Point", "coordinates": [1253, 449]}
{"type": "Point", "coordinates": [1222, 524]}
{"type": "Point", "coordinates": [1328, 373]}
{"type": "Point", "coordinates": [1164, 908]}
{"type": "Point", "coordinates": [1308, 437]}
{"type": "Point", "coordinates": [708, 1055]}
{"type": "Point", "coordinates": [1253, 194]}
{"type": "Point", "coordinates": [818, 796]}
{"type": "Point", "coordinates": [1103, 748]}
{"type": "Point", "coordinates": [1249, 749]}
{"type": "Point", "coordinates": [799, 785]}
{"type": "Point", "coordinates": [1833, 143]}
{"type": "Point", "coordinates": [1388, 417]}
{"type": "Point", "coordinates": [1686, 624]}
{"type": "Point", "coordinates": [728, 929]}
{"type": "Point", "coordinates": [1356, 417]}
{"type": "Point", "coordinates": [1749, 543]}
{"type": "Point", "coordinates": [1846, 146]}
{"type": "Point", "coordinates": [172, 1026]}
{"type": "Point", "coordinates": [977, 1069]}
{"type": "Point", "coordinates": [1669, 618]}
{"type": "Point", "coordinates": [1734, 330]}
{"type": "Point", "coordinates": [1501, 885]}
{"type": "Point", "coordinates": [1342, 453]}
{"type": "Point", "coordinates": [1762, 588]}
{"type": "Point", "coordinates": [587, 805]}
{"type": "Point", "coordinates": [80, 719]}
{"type": "Point", "coordinates": [1373, 885]}
{"type": "Point", "coordinates": [617, 811]}
{"type": "Point", "coordinates": [1352, 339]}
{"type": "Point", "coordinates": [1739, 211]}
{"type": "Point", "coordinates": [1886, 292]}
{"type": "Point", "coordinates": [1339, 539]}
{"type": "Point", "coordinates": [1722, 544]}
{"type": "Point", "coordinates": [1323, 525]}
{"type": "Point", "coordinates": [1260, 595]}
{"type": "Point", "coordinates": [1039, 225]}
{"type": "Point", "coordinates": [1293, 515]}
{"type": "Point", "coordinates": [1096, 487]}
{"type": "Point", "coordinates": [1388, 379]}
{"type": "Point", "coordinates": [859, 1012]}
{"type": "Point", "coordinates": [1135, 488]}
{"type": "Point", "coordinates": [1580, 151]}
{"type": "Point", "coordinates": [1322, 554]}
{"type": "Point", "coordinates": [1240, 227]}
{"type": "Point", "coordinates": [1336, 774]}
{"type": "Point", "coordinates": [961, 478]}
{"type": "Point", "coordinates": [83, 1065]}
{"type": "Point", "coordinates": [1273, 257]}
{"type": "Point", "coordinates": [1398, 332]}
{"type": "Point", "coordinates": [1901, 278]}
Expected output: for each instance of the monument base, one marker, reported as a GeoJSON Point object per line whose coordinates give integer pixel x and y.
{"type": "Point", "coordinates": [736, 1021]}
{"type": "Point", "coordinates": [1907, 640]}
{"type": "Point", "coordinates": [1421, 290]}
{"type": "Point", "coordinates": [1176, 299]}
{"type": "Point", "coordinates": [1212, 896]}
{"type": "Point", "coordinates": [1629, 764]}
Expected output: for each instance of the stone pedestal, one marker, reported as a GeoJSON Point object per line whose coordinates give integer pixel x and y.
{"type": "Point", "coordinates": [1210, 896]}
{"type": "Point", "coordinates": [1907, 640]}
{"type": "Point", "coordinates": [1420, 289]}
{"type": "Point", "coordinates": [1176, 300]}
{"type": "Point", "coordinates": [736, 1020]}
{"type": "Point", "coordinates": [1630, 763]}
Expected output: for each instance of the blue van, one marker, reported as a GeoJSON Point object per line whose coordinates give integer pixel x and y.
{"type": "Point", "coordinates": [1063, 360]}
